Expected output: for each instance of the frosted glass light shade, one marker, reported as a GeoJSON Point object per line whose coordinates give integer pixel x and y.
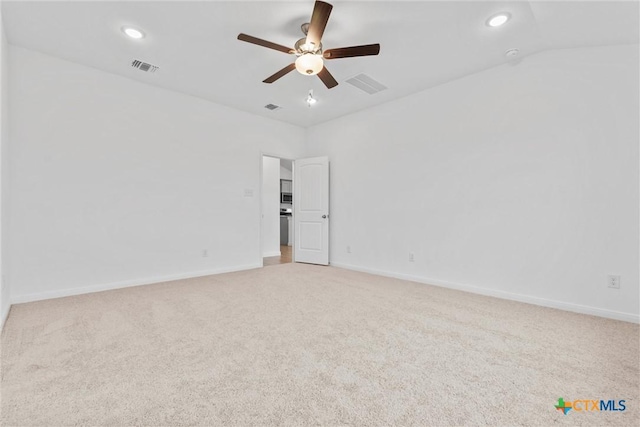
{"type": "Point", "coordinates": [309, 64]}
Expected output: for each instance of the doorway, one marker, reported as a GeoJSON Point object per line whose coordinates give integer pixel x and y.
{"type": "Point", "coordinates": [277, 210]}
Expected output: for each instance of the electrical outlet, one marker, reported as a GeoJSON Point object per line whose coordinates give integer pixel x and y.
{"type": "Point", "coordinates": [248, 192]}
{"type": "Point", "coordinates": [411, 257]}
{"type": "Point", "coordinates": [613, 282]}
{"type": "Point", "coordinates": [205, 253]}
{"type": "Point", "coordinates": [348, 249]}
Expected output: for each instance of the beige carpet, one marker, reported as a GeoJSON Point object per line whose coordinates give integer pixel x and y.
{"type": "Point", "coordinates": [303, 345]}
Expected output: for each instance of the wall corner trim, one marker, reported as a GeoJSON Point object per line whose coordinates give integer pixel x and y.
{"type": "Point", "coordinates": [3, 319]}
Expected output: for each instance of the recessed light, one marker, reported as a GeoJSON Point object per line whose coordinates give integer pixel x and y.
{"type": "Point", "coordinates": [498, 20]}
{"type": "Point", "coordinates": [133, 32]}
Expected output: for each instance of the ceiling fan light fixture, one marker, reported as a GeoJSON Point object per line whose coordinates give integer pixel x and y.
{"type": "Point", "coordinates": [309, 64]}
{"type": "Point", "coordinates": [301, 47]}
{"type": "Point", "coordinates": [309, 49]}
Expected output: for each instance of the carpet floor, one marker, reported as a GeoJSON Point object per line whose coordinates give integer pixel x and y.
{"type": "Point", "coordinates": [303, 345]}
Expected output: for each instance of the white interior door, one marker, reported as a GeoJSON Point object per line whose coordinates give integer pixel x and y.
{"type": "Point", "coordinates": [311, 210]}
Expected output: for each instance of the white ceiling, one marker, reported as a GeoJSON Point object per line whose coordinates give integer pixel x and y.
{"type": "Point", "coordinates": [423, 44]}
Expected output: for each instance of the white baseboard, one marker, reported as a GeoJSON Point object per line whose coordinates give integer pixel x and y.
{"type": "Point", "coordinates": [594, 311]}
{"type": "Point", "coordinates": [272, 253]}
{"type": "Point", "coordinates": [576, 308]}
{"type": "Point", "coordinates": [19, 299]}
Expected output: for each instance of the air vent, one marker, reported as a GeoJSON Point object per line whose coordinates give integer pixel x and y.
{"type": "Point", "coordinates": [272, 107]}
{"type": "Point", "coordinates": [143, 66]}
{"type": "Point", "coordinates": [367, 84]}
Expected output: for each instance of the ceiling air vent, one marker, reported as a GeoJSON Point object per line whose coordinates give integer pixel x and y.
{"type": "Point", "coordinates": [367, 84]}
{"type": "Point", "coordinates": [272, 107]}
{"type": "Point", "coordinates": [143, 66]}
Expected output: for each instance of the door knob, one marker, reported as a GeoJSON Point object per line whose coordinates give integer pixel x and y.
{"type": "Point", "coordinates": [324, 216]}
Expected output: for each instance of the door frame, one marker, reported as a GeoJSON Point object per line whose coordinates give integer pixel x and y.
{"type": "Point", "coordinates": [275, 156]}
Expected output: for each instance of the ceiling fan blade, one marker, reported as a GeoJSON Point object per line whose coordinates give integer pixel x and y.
{"type": "Point", "coordinates": [250, 39]}
{"type": "Point", "coordinates": [327, 78]}
{"type": "Point", "coordinates": [286, 70]}
{"type": "Point", "coordinates": [319, 19]}
{"type": "Point", "coordinates": [349, 52]}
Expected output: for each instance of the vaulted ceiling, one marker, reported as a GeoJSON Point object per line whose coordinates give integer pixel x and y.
{"type": "Point", "coordinates": [194, 44]}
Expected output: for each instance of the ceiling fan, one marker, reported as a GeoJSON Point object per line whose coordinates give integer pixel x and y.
{"type": "Point", "coordinates": [309, 50]}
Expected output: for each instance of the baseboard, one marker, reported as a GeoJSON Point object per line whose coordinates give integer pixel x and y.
{"type": "Point", "coordinates": [126, 284]}
{"type": "Point", "coordinates": [576, 308]}
{"type": "Point", "coordinates": [594, 311]}
{"type": "Point", "coordinates": [272, 253]}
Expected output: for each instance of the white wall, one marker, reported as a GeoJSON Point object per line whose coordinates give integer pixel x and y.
{"type": "Point", "coordinates": [5, 297]}
{"type": "Point", "coordinates": [117, 183]}
{"type": "Point", "coordinates": [286, 173]}
{"type": "Point", "coordinates": [270, 206]}
{"type": "Point", "coordinates": [520, 182]}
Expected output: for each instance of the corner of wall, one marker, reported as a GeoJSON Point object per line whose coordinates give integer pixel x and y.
{"type": "Point", "coordinates": [498, 195]}
{"type": "Point", "coordinates": [5, 298]}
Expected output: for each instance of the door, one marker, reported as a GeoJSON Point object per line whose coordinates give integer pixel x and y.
{"type": "Point", "coordinates": [311, 210]}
